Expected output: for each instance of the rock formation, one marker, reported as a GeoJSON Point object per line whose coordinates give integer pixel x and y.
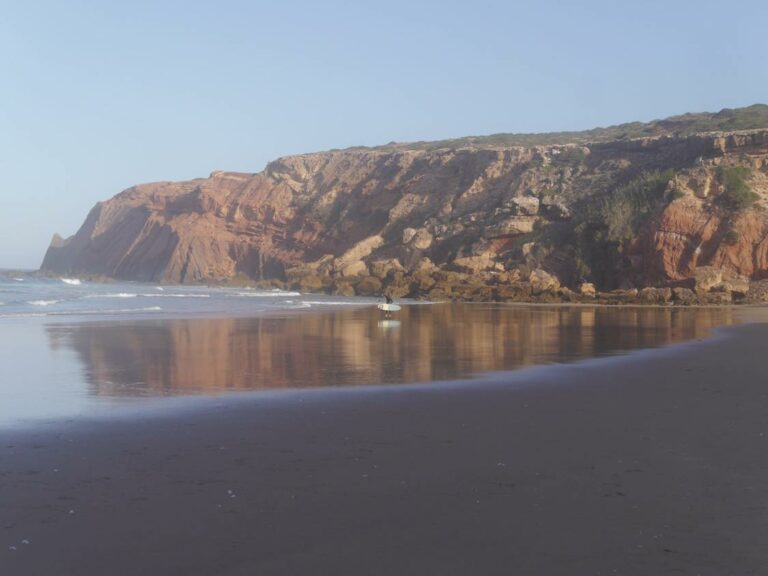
{"type": "Point", "coordinates": [473, 220]}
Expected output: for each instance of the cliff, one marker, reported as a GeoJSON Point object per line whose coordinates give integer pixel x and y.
{"type": "Point", "coordinates": [474, 218]}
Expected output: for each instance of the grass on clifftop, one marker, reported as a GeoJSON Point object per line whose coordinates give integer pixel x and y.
{"type": "Point", "coordinates": [728, 119]}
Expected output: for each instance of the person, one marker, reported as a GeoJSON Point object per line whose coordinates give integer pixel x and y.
{"type": "Point", "coordinates": [387, 300]}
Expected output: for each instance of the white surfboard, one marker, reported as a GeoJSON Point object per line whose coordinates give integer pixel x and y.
{"type": "Point", "coordinates": [389, 307]}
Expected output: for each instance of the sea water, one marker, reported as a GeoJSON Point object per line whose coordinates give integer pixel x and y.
{"type": "Point", "coordinates": [30, 296]}
{"type": "Point", "coordinates": [71, 349]}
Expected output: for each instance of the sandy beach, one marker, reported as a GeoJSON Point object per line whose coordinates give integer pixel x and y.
{"type": "Point", "coordinates": [652, 463]}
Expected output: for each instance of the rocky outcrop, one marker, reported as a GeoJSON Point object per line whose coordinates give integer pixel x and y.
{"type": "Point", "coordinates": [483, 221]}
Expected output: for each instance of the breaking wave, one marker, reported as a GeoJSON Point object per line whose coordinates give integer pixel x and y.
{"type": "Point", "coordinates": [71, 281]}
{"type": "Point", "coordinates": [268, 294]}
{"type": "Point", "coordinates": [115, 295]}
{"type": "Point", "coordinates": [112, 312]}
{"type": "Point", "coordinates": [134, 295]}
{"type": "Point", "coordinates": [331, 303]}
{"type": "Point", "coordinates": [175, 295]}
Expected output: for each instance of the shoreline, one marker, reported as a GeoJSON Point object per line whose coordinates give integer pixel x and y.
{"type": "Point", "coordinates": [647, 463]}
{"type": "Point", "coordinates": [645, 297]}
{"type": "Point", "coordinates": [365, 301]}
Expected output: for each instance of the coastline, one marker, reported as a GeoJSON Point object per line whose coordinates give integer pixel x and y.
{"type": "Point", "coordinates": [624, 464]}
{"type": "Point", "coordinates": [489, 289]}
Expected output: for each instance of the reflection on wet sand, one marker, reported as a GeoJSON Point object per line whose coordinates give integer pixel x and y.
{"type": "Point", "coordinates": [353, 347]}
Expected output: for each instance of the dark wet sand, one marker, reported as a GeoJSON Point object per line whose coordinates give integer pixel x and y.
{"type": "Point", "coordinates": [653, 464]}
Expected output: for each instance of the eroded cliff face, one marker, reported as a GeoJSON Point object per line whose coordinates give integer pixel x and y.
{"type": "Point", "coordinates": [414, 221]}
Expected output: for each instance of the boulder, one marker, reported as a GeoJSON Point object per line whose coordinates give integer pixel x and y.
{"type": "Point", "coordinates": [739, 285]}
{"type": "Point", "coordinates": [344, 288]}
{"type": "Point", "coordinates": [512, 226]}
{"type": "Point", "coordinates": [357, 268]}
{"type": "Point", "coordinates": [424, 281]}
{"type": "Point", "coordinates": [439, 294]}
{"type": "Point", "coordinates": [313, 283]}
{"type": "Point", "coordinates": [619, 296]}
{"type": "Point", "coordinates": [473, 264]}
{"type": "Point", "coordinates": [449, 277]}
{"type": "Point", "coordinates": [380, 268]}
{"type": "Point", "coordinates": [478, 293]}
{"type": "Point", "coordinates": [758, 291]}
{"type": "Point", "coordinates": [650, 295]}
{"type": "Point", "coordinates": [543, 281]}
{"type": "Point", "coordinates": [419, 238]}
{"type": "Point", "coordinates": [707, 277]}
{"type": "Point", "coordinates": [359, 251]}
{"type": "Point", "coordinates": [408, 235]}
{"type": "Point", "coordinates": [525, 205]}
{"type": "Point", "coordinates": [399, 288]}
{"type": "Point", "coordinates": [368, 286]}
{"type": "Point", "coordinates": [320, 267]}
{"type": "Point", "coordinates": [568, 295]}
{"type": "Point", "coordinates": [515, 292]}
{"type": "Point", "coordinates": [587, 289]}
{"type": "Point", "coordinates": [271, 284]}
{"type": "Point", "coordinates": [684, 296]}
{"type": "Point", "coordinates": [506, 277]}
{"type": "Point", "coordinates": [425, 264]}
{"type": "Point", "coordinates": [556, 209]}
{"type": "Point", "coordinates": [724, 286]}
{"type": "Point", "coordinates": [716, 298]}
{"type": "Point", "coordinates": [529, 249]}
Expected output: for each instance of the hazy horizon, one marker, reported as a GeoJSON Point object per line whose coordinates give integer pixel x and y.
{"type": "Point", "coordinates": [102, 98]}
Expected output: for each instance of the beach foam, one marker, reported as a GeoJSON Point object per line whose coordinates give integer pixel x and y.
{"type": "Point", "coordinates": [331, 303]}
{"type": "Point", "coordinates": [175, 295]}
{"type": "Point", "coordinates": [263, 294]}
{"type": "Point", "coordinates": [110, 312]}
{"type": "Point", "coordinates": [113, 295]}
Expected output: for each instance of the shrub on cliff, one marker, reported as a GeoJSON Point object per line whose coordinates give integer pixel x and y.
{"type": "Point", "coordinates": [737, 194]}
{"type": "Point", "coordinates": [570, 157]}
{"type": "Point", "coordinates": [595, 240]}
{"type": "Point", "coordinates": [624, 211]}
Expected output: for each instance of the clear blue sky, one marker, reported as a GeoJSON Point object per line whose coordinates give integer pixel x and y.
{"type": "Point", "coordinates": [97, 96]}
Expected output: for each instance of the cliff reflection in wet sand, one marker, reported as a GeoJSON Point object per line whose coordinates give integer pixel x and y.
{"type": "Point", "coordinates": [353, 347]}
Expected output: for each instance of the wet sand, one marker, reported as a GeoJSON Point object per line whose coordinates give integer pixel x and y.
{"type": "Point", "coordinates": [653, 463]}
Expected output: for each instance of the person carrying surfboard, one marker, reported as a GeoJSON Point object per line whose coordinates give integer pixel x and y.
{"type": "Point", "coordinates": [388, 306]}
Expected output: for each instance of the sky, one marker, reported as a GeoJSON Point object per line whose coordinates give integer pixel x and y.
{"type": "Point", "coordinates": [98, 96]}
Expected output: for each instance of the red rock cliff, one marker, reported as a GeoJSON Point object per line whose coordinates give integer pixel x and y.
{"type": "Point", "coordinates": [481, 209]}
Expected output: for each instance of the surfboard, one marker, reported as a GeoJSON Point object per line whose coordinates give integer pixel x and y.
{"type": "Point", "coordinates": [389, 307]}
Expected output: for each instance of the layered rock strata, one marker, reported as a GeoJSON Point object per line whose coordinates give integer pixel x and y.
{"type": "Point", "coordinates": [477, 222]}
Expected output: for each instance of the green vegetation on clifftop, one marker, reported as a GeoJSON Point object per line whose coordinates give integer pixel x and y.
{"type": "Point", "coordinates": [727, 119]}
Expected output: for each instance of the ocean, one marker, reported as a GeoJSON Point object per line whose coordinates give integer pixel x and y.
{"type": "Point", "coordinates": [31, 296]}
